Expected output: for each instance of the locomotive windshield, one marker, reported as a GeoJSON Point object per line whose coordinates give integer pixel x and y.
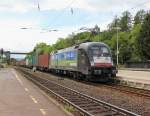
{"type": "Point", "coordinates": [99, 51]}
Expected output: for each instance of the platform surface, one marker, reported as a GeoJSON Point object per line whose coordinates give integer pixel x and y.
{"type": "Point", "coordinates": [138, 76]}
{"type": "Point", "coordinates": [20, 97]}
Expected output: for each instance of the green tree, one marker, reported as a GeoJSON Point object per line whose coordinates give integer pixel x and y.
{"type": "Point", "coordinates": [114, 23]}
{"type": "Point", "coordinates": [139, 17]}
{"type": "Point", "coordinates": [125, 49]}
{"type": "Point", "coordinates": [144, 38]}
{"type": "Point", "coordinates": [134, 34]}
{"type": "Point", "coordinates": [134, 41]}
{"type": "Point", "coordinates": [125, 21]}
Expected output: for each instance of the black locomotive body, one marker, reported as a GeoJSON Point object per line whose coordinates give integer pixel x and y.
{"type": "Point", "coordinates": [90, 60]}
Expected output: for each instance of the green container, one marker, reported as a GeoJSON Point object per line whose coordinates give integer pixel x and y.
{"type": "Point", "coordinates": [29, 60]}
{"type": "Point", "coordinates": [34, 59]}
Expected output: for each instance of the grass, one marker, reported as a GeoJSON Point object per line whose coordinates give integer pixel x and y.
{"type": "Point", "coordinates": [69, 108]}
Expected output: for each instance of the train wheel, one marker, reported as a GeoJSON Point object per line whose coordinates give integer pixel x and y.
{"type": "Point", "coordinates": [87, 77]}
{"type": "Point", "coordinates": [78, 76]}
{"type": "Point", "coordinates": [113, 75]}
{"type": "Point", "coordinates": [74, 75]}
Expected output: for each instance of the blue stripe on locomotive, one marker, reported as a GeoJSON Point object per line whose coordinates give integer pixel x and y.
{"type": "Point", "coordinates": [71, 55]}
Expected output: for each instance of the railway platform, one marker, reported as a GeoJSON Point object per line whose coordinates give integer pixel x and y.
{"type": "Point", "coordinates": [134, 78]}
{"type": "Point", "coordinates": [20, 97]}
{"type": "Point", "coordinates": [136, 69]}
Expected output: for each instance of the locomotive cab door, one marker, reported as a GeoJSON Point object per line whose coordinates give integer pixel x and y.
{"type": "Point", "coordinates": [83, 62]}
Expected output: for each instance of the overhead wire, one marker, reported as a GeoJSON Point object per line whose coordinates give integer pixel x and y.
{"type": "Point", "coordinates": [57, 17]}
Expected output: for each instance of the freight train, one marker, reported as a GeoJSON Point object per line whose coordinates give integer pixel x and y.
{"type": "Point", "coordinates": [91, 61]}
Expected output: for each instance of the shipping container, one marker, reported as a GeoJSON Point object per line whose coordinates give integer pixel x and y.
{"type": "Point", "coordinates": [21, 63]}
{"type": "Point", "coordinates": [29, 60]}
{"type": "Point", "coordinates": [34, 60]}
{"type": "Point", "coordinates": [43, 61]}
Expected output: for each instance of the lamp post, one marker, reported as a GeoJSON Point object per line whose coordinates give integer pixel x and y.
{"type": "Point", "coordinates": [1, 54]}
{"type": "Point", "coordinates": [117, 29]}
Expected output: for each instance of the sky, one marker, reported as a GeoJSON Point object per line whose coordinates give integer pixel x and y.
{"type": "Point", "coordinates": [65, 16]}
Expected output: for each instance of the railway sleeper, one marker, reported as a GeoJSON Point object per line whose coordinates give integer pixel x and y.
{"type": "Point", "coordinates": [74, 98]}
{"type": "Point", "coordinates": [92, 108]}
{"type": "Point", "coordinates": [99, 111]}
{"type": "Point", "coordinates": [63, 90]}
{"type": "Point", "coordinates": [78, 101]}
{"type": "Point", "coordinates": [81, 102]}
{"type": "Point", "coordinates": [65, 95]}
{"type": "Point", "coordinates": [89, 105]}
{"type": "Point", "coordinates": [60, 91]}
{"type": "Point", "coordinates": [109, 113]}
{"type": "Point", "coordinates": [54, 87]}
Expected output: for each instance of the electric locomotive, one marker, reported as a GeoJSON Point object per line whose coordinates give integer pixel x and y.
{"type": "Point", "coordinates": [90, 60]}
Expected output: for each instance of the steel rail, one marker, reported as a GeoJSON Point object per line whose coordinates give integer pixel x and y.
{"type": "Point", "coordinates": [128, 89]}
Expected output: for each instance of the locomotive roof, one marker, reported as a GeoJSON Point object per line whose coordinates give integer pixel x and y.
{"type": "Point", "coordinates": [82, 45]}
{"type": "Point", "coordinates": [91, 43]}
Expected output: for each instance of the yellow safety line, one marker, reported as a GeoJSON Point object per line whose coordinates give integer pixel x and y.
{"type": "Point", "coordinates": [26, 89]}
{"type": "Point", "coordinates": [43, 111]}
{"type": "Point", "coordinates": [18, 78]}
{"type": "Point", "coordinates": [34, 100]}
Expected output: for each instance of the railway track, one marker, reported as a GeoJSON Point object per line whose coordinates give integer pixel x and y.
{"type": "Point", "coordinates": [85, 104]}
{"type": "Point", "coordinates": [132, 90]}
{"type": "Point", "coordinates": [122, 88]}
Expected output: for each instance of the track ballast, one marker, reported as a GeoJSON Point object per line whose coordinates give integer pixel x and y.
{"type": "Point", "coordinates": [85, 104]}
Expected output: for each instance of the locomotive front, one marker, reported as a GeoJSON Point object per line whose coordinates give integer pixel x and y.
{"type": "Point", "coordinates": [100, 59]}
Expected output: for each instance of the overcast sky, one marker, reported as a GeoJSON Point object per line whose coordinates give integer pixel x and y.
{"type": "Point", "coordinates": [55, 14]}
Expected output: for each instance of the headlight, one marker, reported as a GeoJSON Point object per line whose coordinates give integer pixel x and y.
{"type": "Point", "coordinates": [92, 63]}
{"type": "Point", "coordinates": [112, 62]}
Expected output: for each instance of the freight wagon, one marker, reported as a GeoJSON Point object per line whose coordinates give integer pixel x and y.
{"type": "Point", "coordinates": [34, 60]}
{"type": "Point", "coordinates": [28, 60]}
{"type": "Point", "coordinates": [43, 62]}
{"type": "Point", "coordinates": [21, 63]}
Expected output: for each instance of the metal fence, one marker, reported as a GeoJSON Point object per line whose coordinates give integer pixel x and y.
{"type": "Point", "coordinates": [143, 64]}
